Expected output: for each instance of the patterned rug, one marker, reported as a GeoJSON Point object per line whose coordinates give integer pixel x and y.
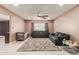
{"type": "Point", "coordinates": [38, 44]}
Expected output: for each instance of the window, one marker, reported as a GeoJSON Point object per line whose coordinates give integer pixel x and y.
{"type": "Point", "coordinates": [39, 26]}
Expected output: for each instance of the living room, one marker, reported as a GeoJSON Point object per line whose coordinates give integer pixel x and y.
{"type": "Point", "coordinates": [40, 25]}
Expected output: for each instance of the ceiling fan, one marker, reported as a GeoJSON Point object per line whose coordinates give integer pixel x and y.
{"type": "Point", "coordinates": [44, 16]}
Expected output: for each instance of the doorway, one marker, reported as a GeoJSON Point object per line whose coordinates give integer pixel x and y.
{"type": "Point", "coordinates": [4, 27]}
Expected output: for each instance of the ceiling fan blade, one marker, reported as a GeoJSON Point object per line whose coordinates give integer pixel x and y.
{"type": "Point", "coordinates": [45, 15]}
{"type": "Point", "coordinates": [42, 15]}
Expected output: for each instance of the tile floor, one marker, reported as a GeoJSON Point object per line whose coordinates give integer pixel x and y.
{"type": "Point", "coordinates": [10, 49]}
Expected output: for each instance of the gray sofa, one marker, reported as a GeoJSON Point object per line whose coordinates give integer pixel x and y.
{"type": "Point", "coordinates": [58, 37]}
{"type": "Point", "coordinates": [40, 34]}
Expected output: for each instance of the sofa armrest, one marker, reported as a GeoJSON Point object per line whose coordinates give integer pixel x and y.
{"type": "Point", "coordinates": [52, 33]}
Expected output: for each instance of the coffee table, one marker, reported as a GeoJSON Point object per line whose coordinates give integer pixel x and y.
{"type": "Point", "coordinates": [71, 47]}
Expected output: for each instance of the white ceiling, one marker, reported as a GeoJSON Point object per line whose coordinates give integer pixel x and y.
{"type": "Point", "coordinates": [29, 11]}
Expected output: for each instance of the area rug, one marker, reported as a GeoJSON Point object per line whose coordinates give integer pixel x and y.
{"type": "Point", "coordinates": [38, 44]}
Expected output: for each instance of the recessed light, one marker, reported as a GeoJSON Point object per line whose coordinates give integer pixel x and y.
{"type": "Point", "coordinates": [16, 4]}
{"type": "Point", "coordinates": [60, 4]}
{"type": "Point", "coordinates": [29, 18]}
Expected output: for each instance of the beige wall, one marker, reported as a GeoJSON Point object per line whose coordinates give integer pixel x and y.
{"type": "Point", "coordinates": [16, 23]}
{"type": "Point", "coordinates": [28, 25]}
{"type": "Point", "coordinates": [69, 23]}
{"type": "Point", "coordinates": [50, 26]}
